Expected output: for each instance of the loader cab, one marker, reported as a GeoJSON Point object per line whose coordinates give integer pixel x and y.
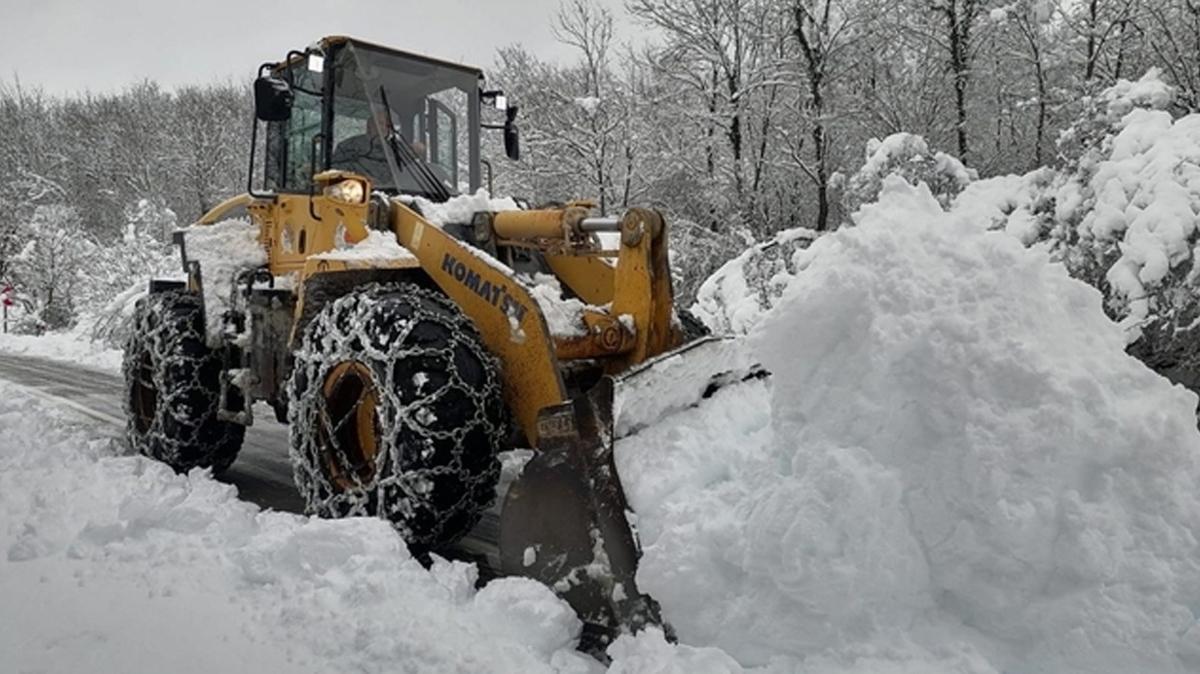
{"type": "Point", "coordinates": [409, 123]}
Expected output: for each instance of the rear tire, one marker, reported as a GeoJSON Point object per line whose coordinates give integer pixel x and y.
{"type": "Point", "coordinates": [395, 411]}
{"type": "Point", "coordinates": [172, 387]}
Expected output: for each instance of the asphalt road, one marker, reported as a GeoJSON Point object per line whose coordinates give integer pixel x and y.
{"type": "Point", "coordinates": [262, 472]}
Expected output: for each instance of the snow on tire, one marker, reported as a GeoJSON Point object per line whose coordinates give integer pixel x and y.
{"type": "Point", "coordinates": [172, 387]}
{"type": "Point", "coordinates": [396, 411]}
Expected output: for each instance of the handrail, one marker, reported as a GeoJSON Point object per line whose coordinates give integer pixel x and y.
{"type": "Point", "coordinates": [217, 212]}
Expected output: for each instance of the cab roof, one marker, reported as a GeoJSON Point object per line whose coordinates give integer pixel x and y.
{"type": "Point", "coordinates": [335, 40]}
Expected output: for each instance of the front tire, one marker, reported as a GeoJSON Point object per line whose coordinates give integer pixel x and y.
{"type": "Point", "coordinates": [395, 411]}
{"type": "Point", "coordinates": [172, 387]}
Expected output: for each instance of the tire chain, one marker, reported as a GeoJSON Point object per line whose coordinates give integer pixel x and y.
{"type": "Point", "coordinates": [380, 326]}
{"type": "Point", "coordinates": [185, 432]}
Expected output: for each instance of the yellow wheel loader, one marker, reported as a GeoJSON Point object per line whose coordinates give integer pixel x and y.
{"type": "Point", "coordinates": [405, 370]}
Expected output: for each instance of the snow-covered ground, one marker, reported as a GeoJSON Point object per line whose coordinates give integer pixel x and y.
{"type": "Point", "coordinates": [74, 346]}
{"type": "Point", "coordinates": [955, 467]}
{"type": "Point", "coordinates": [114, 563]}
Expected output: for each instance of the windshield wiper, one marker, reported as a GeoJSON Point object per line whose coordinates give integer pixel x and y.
{"type": "Point", "coordinates": [420, 170]}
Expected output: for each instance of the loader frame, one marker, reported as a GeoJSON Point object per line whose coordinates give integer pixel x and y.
{"type": "Point", "coordinates": [558, 388]}
{"type": "Point", "coordinates": [630, 316]}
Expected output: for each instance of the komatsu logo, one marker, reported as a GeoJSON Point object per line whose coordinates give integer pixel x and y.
{"type": "Point", "coordinates": [497, 295]}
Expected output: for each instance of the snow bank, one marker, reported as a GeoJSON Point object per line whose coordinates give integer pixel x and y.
{"type": "Point", "coordinates": [72, 346]}
{"type": "Point", "coordinates": [223, 250]}
{"type": "Point", "coordinates": [955, 467]}
{"type": "Point", "coordinates": [116, 564]}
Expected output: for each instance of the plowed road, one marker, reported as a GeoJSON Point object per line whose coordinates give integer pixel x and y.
{"type": "Point", "coordinates": [262, 472]}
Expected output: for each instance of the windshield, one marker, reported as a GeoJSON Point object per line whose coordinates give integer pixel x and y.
{"type": "Point", "coordinates": [405, 122]}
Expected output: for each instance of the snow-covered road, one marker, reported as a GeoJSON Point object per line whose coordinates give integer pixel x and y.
{"type": "Point", "coordinates": [261, 474]}
{"type": "Point", "coordinates": [115, 563]}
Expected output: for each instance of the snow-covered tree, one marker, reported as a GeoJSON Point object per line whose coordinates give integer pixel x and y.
{"type": "Point", "coordinates": [909, 156]}
{"type": "Point", "coordinates": [1127, 221]}
{"type": "Point", "coordinates": [49, 270]}
{"type": "Point", "coordinates": [120, 269]}
{"type": "Point", "coordinates": [746, 287]}
{"type": "Point", "coordinates": [1027, 34]}
{"type": "Point", "coordinates": [724, 58]}
{"type": "Point", "coordinates": [825, 31]}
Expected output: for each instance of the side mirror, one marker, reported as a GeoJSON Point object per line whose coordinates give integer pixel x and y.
{"type": "Point", "coordinates": [272, 99]}
{"type": "Point", "coordinates": [512, 136]}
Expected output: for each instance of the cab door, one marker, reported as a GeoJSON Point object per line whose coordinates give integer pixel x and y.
{"type": "Point", "coordinates": [443, 142]}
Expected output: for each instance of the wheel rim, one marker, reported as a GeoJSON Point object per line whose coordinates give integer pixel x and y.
{"type": "Point", "coordinates": [349, 429]}
{"type": "Point", "coordinates": [144, 396]}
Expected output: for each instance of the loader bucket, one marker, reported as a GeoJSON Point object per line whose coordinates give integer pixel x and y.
{"type": "Point", "coordinates": [564, 520]}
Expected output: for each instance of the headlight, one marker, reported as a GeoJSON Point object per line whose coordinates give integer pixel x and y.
{"type": "Point", "coordinates": [347, 191]}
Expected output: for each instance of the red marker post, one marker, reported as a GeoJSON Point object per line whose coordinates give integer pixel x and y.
{"type": "Point", "coordinates": [6, 299]}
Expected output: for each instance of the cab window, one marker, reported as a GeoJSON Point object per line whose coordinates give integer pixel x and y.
{"type": "Point", "coordinates": [294, 151]}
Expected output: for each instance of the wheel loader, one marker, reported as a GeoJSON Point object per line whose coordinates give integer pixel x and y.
{"type": "Point", "coordinates": [405, 376]}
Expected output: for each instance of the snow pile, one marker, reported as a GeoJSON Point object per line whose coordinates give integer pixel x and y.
{"type": "Point", "coordinates": [224, 250]}
{"type": "Point", "coordinates": [564, 315]}
{"type": "Point", "coordinates": [649, 652]}
{"type": "Point", "coordinates": [955, 467]}
{"type": "Point", "coordinates": [116, 564]}
{"type": "Point", "coordinates": [462, 208]}
{"type": "Point", "coordinates": [377, 247]}
{"type": "Point", "coordinates": [907, 155]}
{"type": "Point", "coordinates": [737, 295]}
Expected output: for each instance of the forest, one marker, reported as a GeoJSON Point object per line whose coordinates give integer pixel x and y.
{"type": "Point", "coordinates": [737, 118]}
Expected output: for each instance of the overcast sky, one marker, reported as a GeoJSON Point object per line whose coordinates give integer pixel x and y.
{"type": "Point", "coordinates": [103, 45]}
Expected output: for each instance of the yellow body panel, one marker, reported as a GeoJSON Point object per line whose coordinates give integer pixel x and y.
{"type": "Point", "coordinates": [589, 277]}
{"type": "Point", "coordinates": [642, 287]}
{"type": "Point", "coordinates": [294, 228]}
{"type": "Point", "coordinates": [606, 336]}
